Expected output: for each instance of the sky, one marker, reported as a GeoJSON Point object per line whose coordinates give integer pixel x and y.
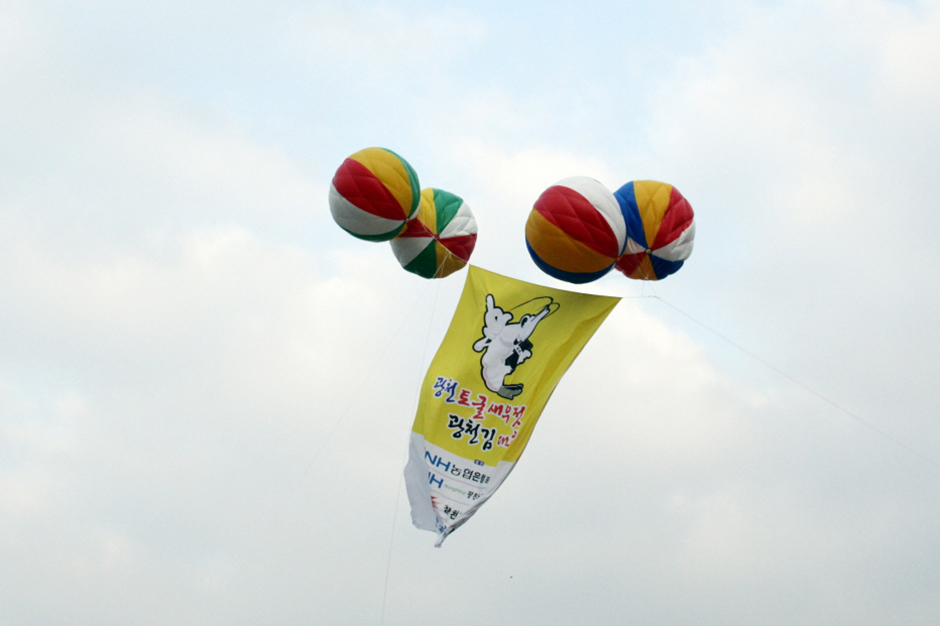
{"type": "Point", "coordinates": [206, 387]}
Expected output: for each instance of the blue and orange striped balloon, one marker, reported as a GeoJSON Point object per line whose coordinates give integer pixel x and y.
{"type": "Point", "coordinates": [575, 231]}
{"type": "Point", "coordinates": [660, 229]}
{"type": "Point", "coordinates": [440, 239]}
{"type": "Point", "coordinates": [374, 192]}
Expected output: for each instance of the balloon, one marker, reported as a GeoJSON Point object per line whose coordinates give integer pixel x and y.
{"type": "Point", "coordinates": [575, 231]}
{"type": "Point", "coordinates": [660, 229]}
{"type": "Point", "coordinates": [440, 239]}
{"type": "Point", "coordinates": [374, 192]}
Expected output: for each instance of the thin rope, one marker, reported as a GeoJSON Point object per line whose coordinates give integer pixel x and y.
{"type": "Point", "coordinates": [401, 472]}
{"type": "Point", "coordinates": [368, 372]}
{"type": "Point", "coordinates": [292, 488]}
{"type": "Point", "coordinates": [391, 544]}
{"type": "Point", "coordinates": [801, 384]}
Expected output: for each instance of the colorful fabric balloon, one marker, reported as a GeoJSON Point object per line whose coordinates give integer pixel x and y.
{"type": "Point", "coordinates": [374, 192]}
{"type": "Point", "coordinates": [575, 231]}
{"type": "Point", "coordinates": [660, 229]}
{"type": "Point", "coordinates": [440, 239]}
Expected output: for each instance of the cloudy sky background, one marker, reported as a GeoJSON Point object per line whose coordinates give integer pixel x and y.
{"type": "Point", "coordinates": [206, 387]}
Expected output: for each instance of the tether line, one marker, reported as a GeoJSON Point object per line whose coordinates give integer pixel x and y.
{"type": "Point", "coordinates": [401, 473]}
{"type": "Point", "coordinates": [800, 384]}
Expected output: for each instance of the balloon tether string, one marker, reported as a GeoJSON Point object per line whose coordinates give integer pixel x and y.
{"type": "Point", "coordinates": [401, 473]}
{"type": "Point", "coordinates": [800, 384]}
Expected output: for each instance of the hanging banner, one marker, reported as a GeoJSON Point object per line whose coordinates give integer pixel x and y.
{"type": "Point", "coordinates": [507, 347]}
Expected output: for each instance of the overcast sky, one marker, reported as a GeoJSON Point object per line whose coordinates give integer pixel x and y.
{"type": "Point", "coordinates": [206, 387]}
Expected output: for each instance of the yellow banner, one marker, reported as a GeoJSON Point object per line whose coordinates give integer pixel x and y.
{"type": "Point", "coordinates": [508, 345]}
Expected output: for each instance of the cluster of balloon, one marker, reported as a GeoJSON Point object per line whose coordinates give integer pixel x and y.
{"type": "Point", "coordinates": [578, 230]}
{"type": "Point", "coordinates": [375, 196]}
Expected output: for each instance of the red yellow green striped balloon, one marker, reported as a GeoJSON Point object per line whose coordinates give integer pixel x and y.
{"type": "Point", "coordinates": [374, 192]}
{"type": "Point", "coordinates": [439, 241]}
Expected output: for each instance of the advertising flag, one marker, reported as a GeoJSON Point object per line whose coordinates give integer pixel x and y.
{"type": "Point", "coordinates": [508, 345]}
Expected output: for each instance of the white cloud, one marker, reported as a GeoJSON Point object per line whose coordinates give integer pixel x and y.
{"type": "Point", "coordinates": [206, 388]}
{"type": "Point", "coordinates": [381, 42]}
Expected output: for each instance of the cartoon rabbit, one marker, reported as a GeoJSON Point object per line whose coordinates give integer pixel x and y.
{"type": "Point", "coordinates": [505, 346]}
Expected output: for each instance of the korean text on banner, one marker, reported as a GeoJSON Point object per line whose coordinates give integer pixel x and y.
{"type": "Point", "coordinates": [508, 345]}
